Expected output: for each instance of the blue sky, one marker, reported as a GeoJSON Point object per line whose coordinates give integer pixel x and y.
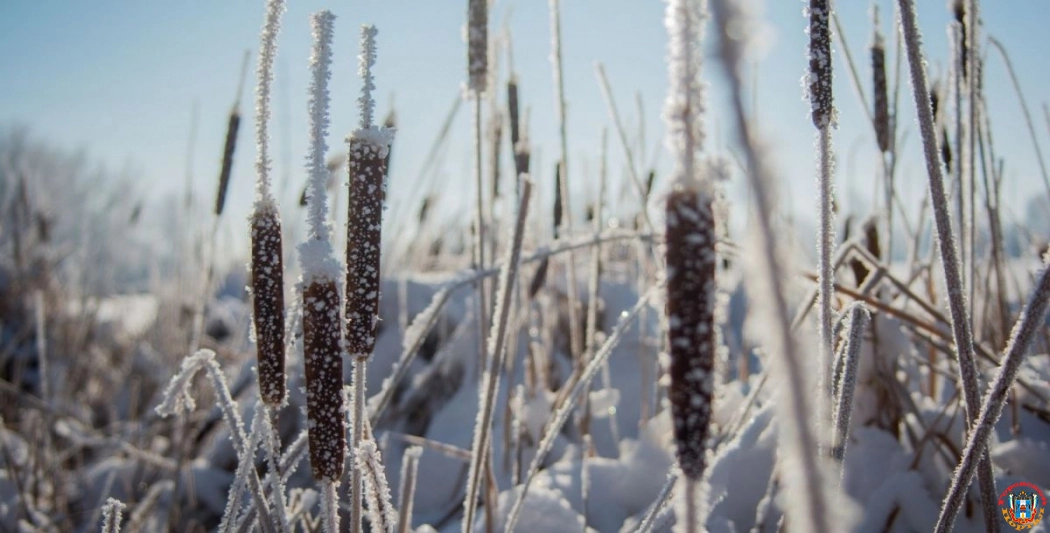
{"type": "Point", "coordinates": [121, 79]}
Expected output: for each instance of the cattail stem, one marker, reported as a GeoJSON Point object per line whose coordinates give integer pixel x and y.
{"type": "Point", "coordinates": [960, 320]}
{"type": "Point", "coordinates": [494, 362]}
{"type": "Point", "coordinates": [814, 514]}
{"type": "Point", "coordinates": [1028, 324]}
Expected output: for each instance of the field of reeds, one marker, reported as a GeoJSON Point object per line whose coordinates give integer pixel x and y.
{"type": "Point", "coordinates": [528, 369]}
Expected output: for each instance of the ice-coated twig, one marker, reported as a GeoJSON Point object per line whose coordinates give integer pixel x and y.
{"type": "Point", "coordinates": [407, 492]}
{"type": "Point", "coordinates": [1028, 324]}
{"type": "Point", "coordinates": [649, 520]}
{"type": "Point", "coordinates": [558, 419]}
{"type": "Point", "coordinates": [330, 506]}
{"type": "Point", "coordinates": [381, 512]}
{"type": "Point", "coordinates": [112, 514]}
{"type": "Point", "coordinates": [846, 378]}
{"type": "Point", "coordinates": [489, 390]}
{"type": "Point", "coordinates": [177, 400]}
{"type": "Point", "coordinates": [960, 319]}
{"type": "Point", "coordinates": [814, 512]}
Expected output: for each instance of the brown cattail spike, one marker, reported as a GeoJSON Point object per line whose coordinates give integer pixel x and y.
{"type": "Point", "coordinates": [691, 265]}
{"type": "Point", "coordinates": [878, 72]}
{"type": "Point", "coordinates": [268, 295]}
{"type": "Point", "coordinates": [227, 160]}
{"type": "Point", "coordinates": [820, 63]}
{"type": "Point", "coordinates": [367, 166]}
{"type": "Point", "coordinates": [324, 378]}
{"type": "Point", "coordinates": [477, 45]}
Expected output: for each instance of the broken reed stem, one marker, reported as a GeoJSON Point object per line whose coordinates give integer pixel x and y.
{"type": "Point", "coordinates": [494, 361]}
{"type": "Point", "coordinates": [691, 286]}
{"type": "Point", "coordinates": [846, 378]}
{"type": "Point", "coordinates": [960, 320]}
{"type": "Point", "coordinates": [267, 268]}
{"type": "Point", "coordinates": [814, 514]}
{"type": "Point", "coordinates": [407, 492]}
{"type": "Point", "coordinates": [1028, 324]}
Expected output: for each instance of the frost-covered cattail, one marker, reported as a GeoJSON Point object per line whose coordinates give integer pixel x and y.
{"type": "Point", "coordinates": [819, 77]}
{"type": "Point", "coordinates": [267, 251]}
{"type": "Point", "coordinates": [477, 45]}
{"type": "Point", "coordinates": [322, 333]}
{"type": "Point", "coordinates": [881, 111]}
{"type": "Point", "coordinates": [691, 310]}
{"type": "Point", "coordinates": [368, 148]}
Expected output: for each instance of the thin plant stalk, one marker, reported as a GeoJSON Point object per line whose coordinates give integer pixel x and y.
{"type": "Point", "coordinates": [814, 514]}
{"type": "Point", "coordinates": [494, 361]}
{"type": "Point", "coordinates": [960, 320]}
{"type": "Point", "coordinates": [1027, 326]}
{"type": "Point", "coordinates": [847, 379]}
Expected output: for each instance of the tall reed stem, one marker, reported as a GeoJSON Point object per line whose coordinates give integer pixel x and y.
{"type": "Point", "coordinates": [960, 320]}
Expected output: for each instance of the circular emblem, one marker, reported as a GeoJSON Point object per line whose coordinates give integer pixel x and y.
{"type": "Point", "coordinates": [1022, 505]}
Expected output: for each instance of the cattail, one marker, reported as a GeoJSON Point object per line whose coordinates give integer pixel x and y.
{"type": "Point", "coordinates": [495, 136]}
{"type": "Point", "coordinates": [958, 9]}
{"type": "Point", "coordinates": [477, 45]}
{"type": "Point", "coordinates": [232, 126]}
{"type": "Point", "coordinates": [691, 311]}
{"type": "Point", "coordinates": [819, 77]}
{"type": "Point", "coordinates": [322, 334]}
{"type": "Point", "coordinates": [368, 148]}
{"type": "Point", "coordinates": [267, 250]}
{"type": "Point", "coordinates": [559, 212]}
{"type": "Point", "coordinates": [878, 72]}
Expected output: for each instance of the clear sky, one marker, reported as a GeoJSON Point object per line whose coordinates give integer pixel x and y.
{"type": "Point", "coordinates": [121, 79]}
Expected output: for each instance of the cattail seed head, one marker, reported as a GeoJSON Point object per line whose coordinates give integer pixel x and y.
{"type": "Point", "coordinates": [477, 45]}
{"type": "Point", "coordinates": [819, 77]}
{"type": "Point", "coordinates": [691, 265]}
{"type": "Point", "coordinates": [367, 170]}
{"type": "Point", "coordinates": [227, 160]}
{"type": "Point", "coordinates": [322, 353]}
{"type": "Point", "coordinates": [881, 114]}
{"type": "Point", "coordinates": [268, 295]}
